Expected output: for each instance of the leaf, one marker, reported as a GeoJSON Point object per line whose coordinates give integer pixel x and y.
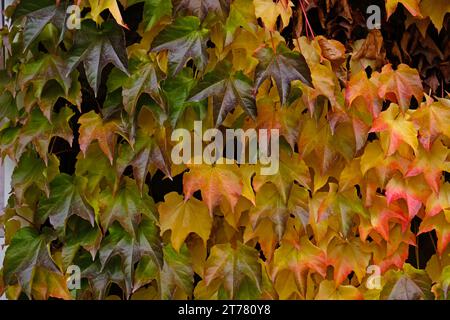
{"type": "Point", "coordinates": [201, 8]}
{"type": "Point", "coordinates": [299, 257]}
{"type": "Point", "coordinates": [411, 5]}
{"type": "Point", "coordinates": [360, 86]}
{"type": "Point", "coordinates": [146, 152]}
{"type": "Point", "coordinates": [436, 10]}
{"type": "Point", "coordinates": [269, 204]}
{"type": "Point", "coordinates": [242, 14]}
{"type": "Point", "coordinates": [8, 106]}
{"type": "Point", "coordinates": [291, 168]}
{"type": "Point", "coordinates": [431, 164]}
{"type": "Point", "coordinates": [439, 202]}
{"type": "Point", "coordinates": [347, 257]}
{"type": "Point", "coordinates": [126, 207]}
{"type": "Point", "coordinates": [217, 182]}
{"type": "Point", "coordinates": [176, 93]}
{"type": "Point", "coordinates": [146, 272]}
{"type": "Point", "coordinates": [80, 234]}
{"type": "Point", "coordinates": [96, 48]}
{"type": "Point", "coordinates": [413, 190]}
{"type": "Point", "coordinates": [440, 224]}
{"type": "Point", "coordinates": [101, 277]}
{"type": "Point", "coordinates": [407, 284]}
{"type": "Point", "coordinates": [332, 50]}
{"type": "Point", "coordinates": [232, 265]}
{"type": "Point", "coordinates": [38, 131]}
{"type": "Point", "coordinates": [286, 120]}
{"type": "Point", "coordinates": [98, 6]}
{"type": "Point", "coordinates": [41, 71]}
{"type": "Point", "coordinates": [269, 11]}
{"type": "Point", "coordinates": [284, 66]}
{"type": "Point", "coordinates": [51, 94]}
{"type": "Point", "coordinates": [66, 199]}
{"type": "Point", "coordinates": [227, 90]}
{"type": "Point", "coordinates": [400, 85]}
{"type": "Point", "coordinates": [432, 120]}
{"type": "Point", "coordinates": [31, 170]}
{"type": "Point", "coordinates": [266, 236]}
{"type": "Point", "coordinates": [47, 284]}
{"type": "Point", "coordinates": [38, 14]}
{"type": "Point", "coordinates": [154, 11]}
{"type": "Point", "coordinates": [183, 217]}
{"type": "Point", "coordinates": [131, 250]}
{"type": "Point", "coordinates": [445, 280]}
{"type": "Point", "coordinates": [328, 291]}
{"type": "Point", "coordinates": [326, 85]}
{"type": "Point", "coordinates": [399, 128]}
{"type": "Point", "coordinates": [144, 79]}
{"type": "Point", "coordinates": [95, 167]}
{"type": "Point", "coordinates": [93, 128]}
{"type": "Point", "coordinates": [28, 252]}
{"type": "Point", "coordinates": [381, 213]}
{"type": "Point", "coordinates": [184, 39]}
{"type": "Point", "coordinates": [177, 272]}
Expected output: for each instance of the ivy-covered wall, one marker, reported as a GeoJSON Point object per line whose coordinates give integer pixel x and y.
{"type": "Point", "coordinates": [358, 208]}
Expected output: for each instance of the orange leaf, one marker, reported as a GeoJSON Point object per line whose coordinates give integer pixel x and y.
{"type": "Point", "coordinates": [399, 85]}
{"type": "Point", "coordinates": [93, 128]}
{"type": "Point", "coordinates": [215, 183]}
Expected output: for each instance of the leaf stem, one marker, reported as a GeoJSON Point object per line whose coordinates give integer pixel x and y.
{"type": "Point", "coordinates": [271, 40]}
{"type": "Point", "coordinates": [308, 25]}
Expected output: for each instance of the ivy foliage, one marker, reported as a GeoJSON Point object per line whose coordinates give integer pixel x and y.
{"type": "Point", "coordinates": [87, 115]}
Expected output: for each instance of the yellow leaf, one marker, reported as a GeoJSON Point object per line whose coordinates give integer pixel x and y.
{"type": "Point", "coordinates": [184, 217]}
{"type": "Point", "coordinates": [436, 10]}
{"type": "Point", "coordinates": [269, 12]}
{"type": "Point", "coordinates": [328, 291]}
{"type": "Point", "coordinates": [98, 6]}
{"type": "Point", "coordinates": [411, 5]}
{"type": "Point", "coordinates": [399, 128]}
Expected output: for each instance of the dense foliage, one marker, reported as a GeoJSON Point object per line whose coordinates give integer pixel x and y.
{"type": "Point", "coordinates": [364, 151]}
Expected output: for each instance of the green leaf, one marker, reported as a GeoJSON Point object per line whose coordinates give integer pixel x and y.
{"type": "Point", "coordinates": [284, 66]}
{"type": "Point", "coordinates": [154, 11]}
{"type": "Point", "coordinates": [96, 167]}
{"type": "Point", "coordinates": [176, 92]}
{"type": "Point", "coordinates": [40, 131]}
{"type": "Point", "coordinates": [38, 14]}
{"type": "Point", "coordinates": [52, 93]}
{"type": "Point", "coordinates": [46, 68]}
{"type": "Point", "coordinates": [80, 234]}
{"type": "Point", "coordinates": [131, 250]}
{"type": "Point", "coordinates": [119, 242]}
{"type": "Point", "coordinates": [146, 152]}
{"type": "Point", "coordinates": [242, 14]}
{"type": "Point", "coordinates": [144, 79]}
{"type": "Point", "coordinates": [185, 39]}
{"type": "Point", "coordinates": [101, 277]}
{"type": "Point", "coordinates": [445, 280]}
{"type": "Point", "coordinates": [27, 251]}
{"type": "Point", "coordinates": [8, 106]}
{"type": "Point", "coordinates": [407, 284]}
{"type": "Point", "coordinates": [228, 90]}
{"type": "Point", "coordinates": [232, 265]}
{"type": "Point", "coordinates": [126, 207]}
{"type": "Point", "coordinates": [66, 199]}
{"type": "Point", "coordinates": [177, 272]}
{"type": "Point", "coordinates": [30, 170]}
{"type": "Point", "coordinates": [96, 49]}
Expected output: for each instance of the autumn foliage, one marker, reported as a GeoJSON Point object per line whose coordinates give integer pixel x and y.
{"type": "Point", "coordinates": [362, 186]}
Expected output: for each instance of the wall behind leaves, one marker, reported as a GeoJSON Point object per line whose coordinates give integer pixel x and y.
{"type": "Point", "coordinates": [363, 178]}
